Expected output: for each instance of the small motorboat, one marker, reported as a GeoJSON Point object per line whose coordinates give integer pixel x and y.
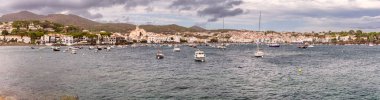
{"type": "Point", "coordinates": [176, 49]}
{"type": "Point", "coordinates": [274, 45]}
{"type": "Point", "coordinates": [200, 56]}
{"type": "Point", "coordinates": [108, 48]}
{"type": "Point", "coordinates": [159, 55]}
{"type": "Point", "coordinates": [73, 51]}
{"type": "Point", "coordinates": [371, 45]}
{"type": "Point", "coordinates": [303, 46]}
{"type": "Point", "coordinates": [56, 48]}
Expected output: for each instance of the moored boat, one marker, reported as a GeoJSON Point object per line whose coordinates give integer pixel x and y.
{"type": "Point", "coordinates": [159, 55]}
{"type": "Point", "coordinates": [200, 56]}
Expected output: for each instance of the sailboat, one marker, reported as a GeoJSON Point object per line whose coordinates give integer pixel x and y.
{"type": "Point", "coordinates": [259, 53]}
{"type": "Point", "coordinates": [159, 54]}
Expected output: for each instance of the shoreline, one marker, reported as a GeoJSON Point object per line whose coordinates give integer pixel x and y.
{"type": "Point", "coordinates": [25, 44]}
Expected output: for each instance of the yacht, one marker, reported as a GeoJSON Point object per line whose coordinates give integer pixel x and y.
{"type": "Point", "coordinates": [176, 49]}
{"type": "Point", "coordinates": [259, 53]}
{"type": "Point", "coordinates": [159, 55]}
{"type": "Point", "coordinates": [200, 56]}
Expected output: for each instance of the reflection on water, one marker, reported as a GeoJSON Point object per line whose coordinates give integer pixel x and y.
{"type": "Point", "coordinates": [328, 72]}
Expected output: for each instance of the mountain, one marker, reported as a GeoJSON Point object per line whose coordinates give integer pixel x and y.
{"type": "Point", "coordinates": [23, 15]}
{"type": "Point", "coordinates": [198, 28]}
{"type": "Point", "coordinates": [70, 20]}
{"type": "Point", "coordinates": [94, 26]}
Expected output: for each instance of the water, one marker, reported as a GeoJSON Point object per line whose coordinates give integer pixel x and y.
{"type": "Point", "coordinates": [328, 72]}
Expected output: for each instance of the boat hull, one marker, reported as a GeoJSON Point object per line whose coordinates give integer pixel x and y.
{"type": "Point", "coordinates": [200, 59]}
{"type": "Point", "coordinates": [159, 57]}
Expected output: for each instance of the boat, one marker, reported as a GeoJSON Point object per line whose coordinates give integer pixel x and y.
{"type": "Point", "coordinates": [32, 48]}
{"type": "Point", "coordinates": [274, 45]}
{"type": "Point", "coordinates": [108, 48]}
{"type": "Point", "coordinates": [73, 51]}
{"type": "Point", "coordinates": [259, 53]}
{"type": "Point", "coordinates": [91, 48]}
{"type": "Point", "coordinates": [65, 50]}
{"type": "Point", "coordinates": [221, 46]}
{"type": "Point", "coordinates": [176, 49]}
{"type": "Point", "coordinates": [56, 48]}
{"type": "Point", "coordinates": [49, 44]}
{"type": "Point", "coordinates": [159, 55]}
{"type": "Point", "coordinates": [304, 46]}
{"type": "Point", "coordinates": [371, 44]}
{"type": "Point", "coordinates": [200, 56]}
{"type": "Point", "coordinates": [99, 48]}
{"type": "Point", "coordinates": [310, 46]}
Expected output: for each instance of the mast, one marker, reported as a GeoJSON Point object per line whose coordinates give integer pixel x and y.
{"type": "Point", "coordinates": [223, 23]}
{"type": "Point", "coordinates": [257, 44]}
{"type": "Point", "coordinates": [260, 22]}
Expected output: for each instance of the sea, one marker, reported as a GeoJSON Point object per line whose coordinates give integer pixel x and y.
{"type": "Point", "coordinates": [325, 72]}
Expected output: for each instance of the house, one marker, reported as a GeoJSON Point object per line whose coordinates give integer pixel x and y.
{"type": "Point", "coordinates": [15, 38]}
{"type": "Point", "coordinates": [67, 40]}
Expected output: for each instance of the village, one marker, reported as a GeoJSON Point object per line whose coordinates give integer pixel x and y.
{"type": "Point", "coordinates": [44, 32]}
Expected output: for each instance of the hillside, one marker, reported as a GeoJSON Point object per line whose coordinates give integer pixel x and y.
{"type": "Point", "coordinates": [94, 26]}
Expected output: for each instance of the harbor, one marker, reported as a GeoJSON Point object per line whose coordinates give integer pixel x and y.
{"type": "Point", "coordinates": [330, 72]}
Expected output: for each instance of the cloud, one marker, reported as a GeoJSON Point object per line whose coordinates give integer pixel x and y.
{"type": "Point", "coordinates": [215, 9]}
{"type": "Point", "coordinates": [277, 14]}
{"type": "Point", "coordinates": [79, 7]}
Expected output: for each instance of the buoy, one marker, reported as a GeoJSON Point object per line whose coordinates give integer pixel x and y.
{"type": "Point", "coordinates": [299, 71]}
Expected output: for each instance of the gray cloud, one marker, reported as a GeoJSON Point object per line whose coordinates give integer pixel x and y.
{"type": "Point", "coordinates": [78, 7]}
{"type": "Point", "coordinates": [215, 9]}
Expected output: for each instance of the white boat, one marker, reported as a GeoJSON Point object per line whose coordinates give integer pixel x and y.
{"type": "Point", "coordinates": [310, 46]}
{"type": "Point", "coordinates": [221, 47]}
{"type": "Point", "coordinates": [91, 47]}
{"type": "Point", "coordinates": [56, 48]}
{"type": "Point", "coordinates": [73, 51]}
{"type": "Point", "coordinates": [371, 45]}
{"type": "Point", "coordinates": [259, 53]}
{"type": "Point", "coordinates": [176, 49]}
{"type": "Point", "coordinates": [159, 55]}
{"type": "Point", "coordinates": [200, 56]}
{"type": "Point", "coordinates": [49, 44]}
{"type": "Point", "coordinates": [108, 48]}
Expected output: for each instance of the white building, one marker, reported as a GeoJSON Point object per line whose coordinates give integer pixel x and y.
{"type": "Point", "coordinates": [68, 40]}
{"type": "Point", "coordinates": [16, 38]}
{"type": "Point", "coordinates": [138, 34]}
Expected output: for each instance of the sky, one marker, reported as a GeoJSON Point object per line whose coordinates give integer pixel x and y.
{"type": "Point", "coordinates": [277, 15]}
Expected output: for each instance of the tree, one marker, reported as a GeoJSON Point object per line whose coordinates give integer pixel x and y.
{"type": "Point", "coordinates": [4, 33]}
{"type": "Point", "coordinates": [214, 40]}
{"type": "Point", "coordinates": [359, 32]}
{"type": "Point", "coordinates": [351, 32]}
